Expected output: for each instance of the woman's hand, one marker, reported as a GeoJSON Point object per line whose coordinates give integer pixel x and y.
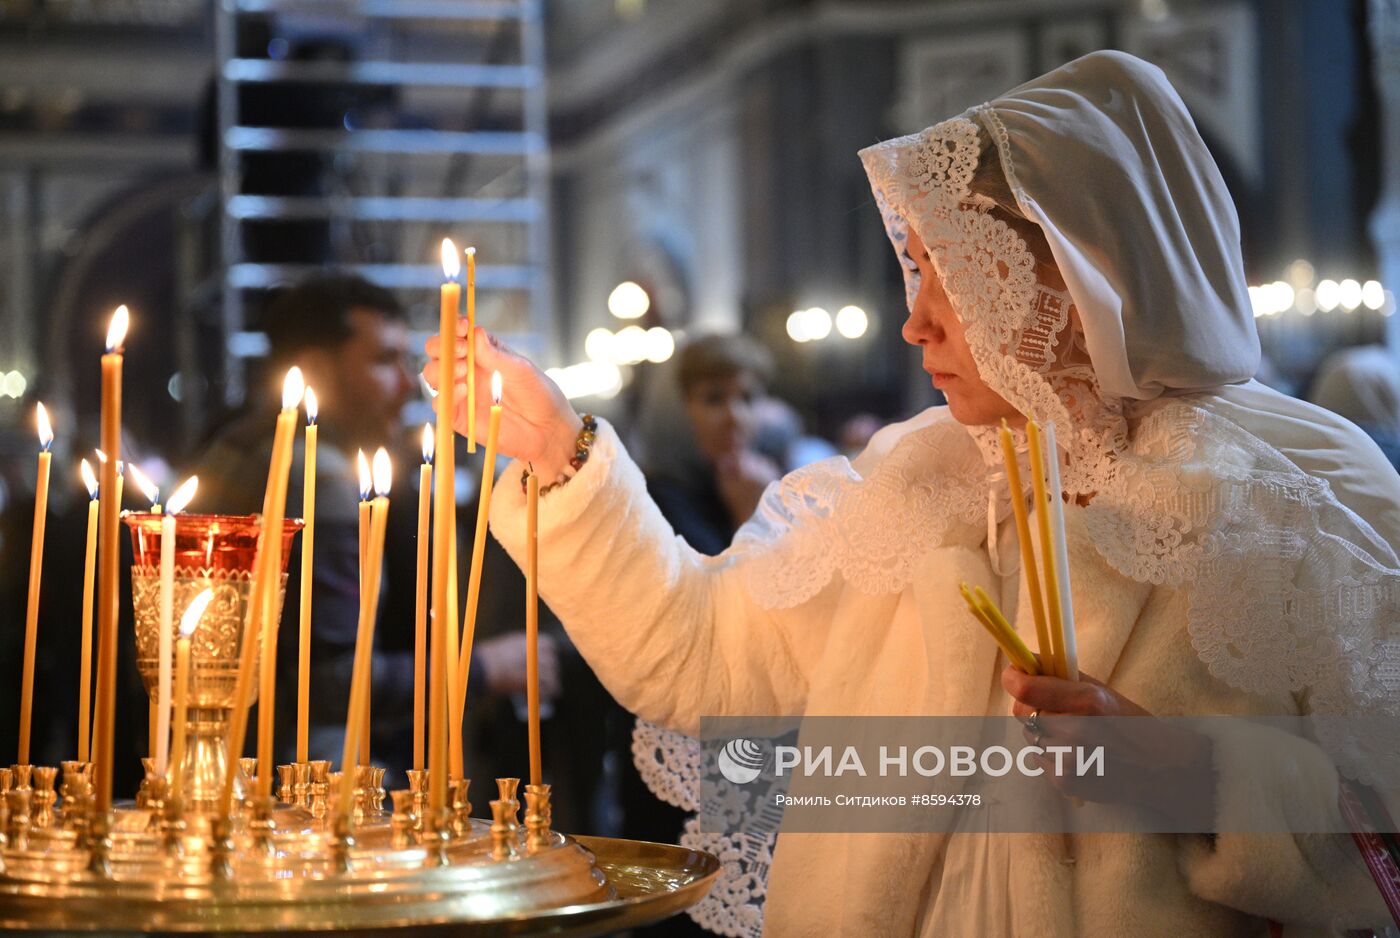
{"type": "Point", "coordinates": [1146, 760]}
{"type": "Point", "coordinates": [538, 425]}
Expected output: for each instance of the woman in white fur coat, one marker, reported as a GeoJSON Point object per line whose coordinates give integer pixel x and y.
{"type": "Point", "coordinates": [1071, 255]}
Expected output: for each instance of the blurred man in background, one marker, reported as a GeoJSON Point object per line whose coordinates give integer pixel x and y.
{"type": "Point", "coordinates": [351, 340]}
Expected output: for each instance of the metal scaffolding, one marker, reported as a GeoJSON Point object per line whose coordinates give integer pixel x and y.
{"type": "Point", "coordinates": [356, 133]}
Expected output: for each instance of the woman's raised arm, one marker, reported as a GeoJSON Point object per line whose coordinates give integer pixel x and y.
{"type": "Point", "coordinates": [673, 634]}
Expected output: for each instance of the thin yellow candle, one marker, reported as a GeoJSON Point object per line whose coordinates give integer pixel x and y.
{"type": "Point", "coordinates": [188, 622]}
{"type": "Point", "coordinates": [366, 507]}
{"type": "Point", "coordinates": [308, 546]}
{"type": "Point", "coordinates": [269, 546]}
{"type": "Point", "coordinates": [147, 487]}
{"type": "Point", "coordinates": [483, 510]}
{"type": "Point", "coordinates": [107, 555]}
{"type": "Point", "coordinates": [420, 593]}
{"type": "Point", "coordinates": [293, 390]}
{"type": "Point", "coordinates": [36, 570]}
{"type": "Point", "coordinates": [532, 620]}
{"type": "Point", "coordinates": [471, 350]}
{"type": "Point", "coordinates": [165, 640]}
{"type": "Point", "coordinates": [1047, 548]}
{"type": "Point", "coordinates": [454, 739]}
{"type": "Point", "coordinates": [85, 658]}
{"type": "Point", "coordinates": [121, 478]}
{"type": "Point", "coordinates": [366, 496]}
{"type": "Point", "coordinates": [152, 494]}
{"type": "Point", "coordinates": [121, 482]}
{"type": "Point", "coordinates": [444, 506]}
{"type": "Point", "coordinates": [364, 637]}
{"type": "Point", "coordinates": [1023, 539]}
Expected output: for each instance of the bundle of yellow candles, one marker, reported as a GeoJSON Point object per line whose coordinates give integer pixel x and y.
{"type": "Point", "coordinates": [1053, 610]}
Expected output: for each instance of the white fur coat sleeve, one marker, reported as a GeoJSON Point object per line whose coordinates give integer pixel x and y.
{"type": "Point", "coordinates": [1270, 782]}
{"type": "Point", "coordinates": [670, 632]}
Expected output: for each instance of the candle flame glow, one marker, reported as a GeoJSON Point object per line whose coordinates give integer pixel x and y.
{"type": "Point", "coordinates": [116, 331]}
{"type": "Point", "coordinates": [293, 388]}
{"type": "Point", "coordinates": [495, 387]}
{"type": "Point", "coordinates": [89, 480]}
{"type": "Point", "coordinates": [41, 416]}
{"type": "Point", "coordinates": [451, 264]}
{"type": "Point", "coordinates": [313, 407]}
{"type": "Point", "coordinates": [383, 473]}
{"type": "Point", "coordinates": [143, 482]}
{"type": "Point", "coordinates": [194, 612]}
{"type": "Point", "coordinates": [366, 478]}
{"type": "Point", "coordinates": [177, 502]}
{"type": "Point", "coordinates": [428, 442]}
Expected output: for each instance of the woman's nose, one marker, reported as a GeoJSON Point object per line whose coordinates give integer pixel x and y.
{"type": "Point", "coordinates": [920, 329]}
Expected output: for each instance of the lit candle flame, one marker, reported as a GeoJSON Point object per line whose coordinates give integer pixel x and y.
{"type": "Point", "coordinates": [41, 416]}
{"type": "Point", "coordinates": [177, 502]}
{"type": "Point", "coordinates": [293, 388]}
{"type": "Point", "coordinates": [89, 480]}
{"type": "Point", "coordinates": [194, 612]}
{"type": "Point", "coordinates": [383, 473]}
{"type": "Point", "coordinates": [428, 442]}
{"type": "Point", "coordinates": [116, 332]}
{"type": "Point", "coordinates": [312, 406]}
{"type": "Point", "coordinates": [495, 387]}
{"type": "Point", "coordinates": [366, 478]}
{"type": "Point", "coordinates": [451, 263]}
{"type": "Point", "coordinates": [147, 487]}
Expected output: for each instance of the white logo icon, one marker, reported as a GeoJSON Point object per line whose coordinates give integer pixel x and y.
{"type": "Point", "coordinates": [741, 761]}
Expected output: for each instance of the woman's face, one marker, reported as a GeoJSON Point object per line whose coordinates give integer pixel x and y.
{"type": "Point", "coordinates": [722, 414]}
{"type": "Point", "coordinates": [937, 331]}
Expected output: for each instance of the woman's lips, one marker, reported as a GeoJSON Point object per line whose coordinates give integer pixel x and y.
{"type": "Point", "coordinates": [941, 378]}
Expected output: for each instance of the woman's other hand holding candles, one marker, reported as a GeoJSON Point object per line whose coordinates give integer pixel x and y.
{"type": "Point", "coordinates": [1144, 757]}
{"type": "Point", "coordinates": [538, 424]}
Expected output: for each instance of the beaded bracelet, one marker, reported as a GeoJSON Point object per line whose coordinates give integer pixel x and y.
{"type": "Point", "coordinates": [582, 446]}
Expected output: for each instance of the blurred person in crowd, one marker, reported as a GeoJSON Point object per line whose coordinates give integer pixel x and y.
{"type": "Point", "coordinates": [779, 435]}
{"type": "Point", "coordinates": [722, 380]}
{"type": "Point", "coordinates": [856, 433]}
{"type": "Point", "coordinates": [1362, 384]}
{"type": "Point", "coordinates": [350, 339]}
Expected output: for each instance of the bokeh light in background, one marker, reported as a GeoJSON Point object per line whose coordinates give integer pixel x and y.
{"type": "Point", "coordinates": [628, 301]}
{"type": "Point", "coordinates": [852, 322]}
{"type": "Point", "coordinates": [13, 384]}
{"type": "Point", "coordinates": [1298, 295]}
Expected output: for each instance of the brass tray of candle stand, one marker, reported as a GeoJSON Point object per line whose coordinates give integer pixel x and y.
{"type": "Point", "coordinates": [576, 886]}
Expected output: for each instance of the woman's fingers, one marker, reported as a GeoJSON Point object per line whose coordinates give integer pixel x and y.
{"type": "Point", "coordinates": [1053, 694]}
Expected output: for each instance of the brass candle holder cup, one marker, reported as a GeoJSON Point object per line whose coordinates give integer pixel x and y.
{"type": "Point", "coordinates": [214, 552]}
